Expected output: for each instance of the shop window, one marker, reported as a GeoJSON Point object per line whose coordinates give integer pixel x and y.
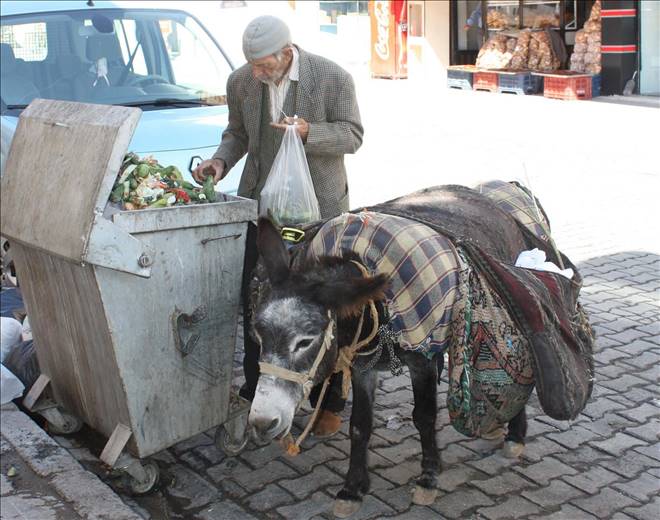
{"type": "Point", "coordinates": [541, 14]}
{"type": "Point", "coordinates": [330, 10]}
{"type": "Point", "coordinates": [470, 31]}
{"type": "Point", "coordinates": [570, 15]}
{"type": "Point", "coordinates": [28, 40]}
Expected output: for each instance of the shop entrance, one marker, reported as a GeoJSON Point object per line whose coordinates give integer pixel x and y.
{"type": "Point", "coordinates": [469, 32]}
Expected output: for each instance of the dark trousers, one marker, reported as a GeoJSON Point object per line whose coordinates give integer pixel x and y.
{"type": "Point", "coordinates": [332, 401]}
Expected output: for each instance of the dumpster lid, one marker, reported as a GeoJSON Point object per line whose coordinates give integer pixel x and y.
{"type": "Point", "coordinates": [62, 164]}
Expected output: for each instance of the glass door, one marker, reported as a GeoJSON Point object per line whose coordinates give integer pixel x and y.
{"type": "Point", "coordinates": [467, 31]}
{"type": "Point", "coordinates": [649, 81]}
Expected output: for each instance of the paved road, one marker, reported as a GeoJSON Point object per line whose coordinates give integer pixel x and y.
{"type": "Point", "coordinates": [599, 190]}
{"type": "Point", "coordinates": [605, 465]}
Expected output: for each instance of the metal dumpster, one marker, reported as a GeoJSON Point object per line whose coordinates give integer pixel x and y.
{"type": "Point", "coordinates": [134, 316]}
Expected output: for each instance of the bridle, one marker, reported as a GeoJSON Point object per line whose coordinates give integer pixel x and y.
{"type": "Point", "coordinates": [305, 379]}
{"type": "Point", "coordinates": [344, 362]}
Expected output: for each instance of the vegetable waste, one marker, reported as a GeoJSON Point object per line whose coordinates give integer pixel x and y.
{"type": "Point", "coordinates": [143, 183]}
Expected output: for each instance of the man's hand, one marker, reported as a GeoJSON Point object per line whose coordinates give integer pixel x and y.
{"type": "Point", "coordinates": [466, 27]}
{"type": "Point", "coordinates": [215, 167]}
{"type": "Point", "coordinates": [301, 126]}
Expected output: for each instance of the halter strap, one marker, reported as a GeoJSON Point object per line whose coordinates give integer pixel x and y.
{"type": "Point", "coordinates": [344, 362]}
{"type": "Point", "coordinates": [305, 379]}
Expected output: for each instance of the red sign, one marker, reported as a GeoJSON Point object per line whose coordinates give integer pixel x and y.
{"type": "Point", "coordinates": [389, 38]}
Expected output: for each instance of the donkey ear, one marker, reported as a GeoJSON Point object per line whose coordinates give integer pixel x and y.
{"type": "Point", "coordinates": [272, 249]}
{"type": "Point", "coordinates": [348, 295]}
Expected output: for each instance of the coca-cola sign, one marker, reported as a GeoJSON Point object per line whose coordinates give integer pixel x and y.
{"type": "Point", "coordinates": [382, 15]}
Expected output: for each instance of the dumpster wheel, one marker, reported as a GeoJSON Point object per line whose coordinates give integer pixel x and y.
{"type": "Point", "coordinates": [152, 477]}
{"type": "Point", "coordinates": [226, 442]}
{"type": "Point", "coordinates": [61, 422]}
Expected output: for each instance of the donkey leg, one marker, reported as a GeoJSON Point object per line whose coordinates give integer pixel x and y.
{"type": "Point", "coordinates": [424, 376]}
{"type": "Point", "coordinates": [349, 498]}
{"type": "Point", "coordinates": [514, 442]}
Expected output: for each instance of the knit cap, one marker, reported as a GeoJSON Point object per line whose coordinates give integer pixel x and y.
{"type": "Point", "coordinates": [265, 35]}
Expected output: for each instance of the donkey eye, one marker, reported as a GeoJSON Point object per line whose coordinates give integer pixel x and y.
{"type": "Point", "coordinates": [303, 343]}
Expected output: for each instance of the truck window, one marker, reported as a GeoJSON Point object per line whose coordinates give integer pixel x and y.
{"type": "Point", "coordinates": [196, 62]}
{"type": "Point", "coordinates": [127, 34]}
{"type": "Point", "coordinates": [27, 40]}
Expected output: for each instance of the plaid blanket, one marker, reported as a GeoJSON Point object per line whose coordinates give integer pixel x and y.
{"type": "Point", "coordinates": [519, 203]}
{"type": "Point", "coordinates": [422, 264]}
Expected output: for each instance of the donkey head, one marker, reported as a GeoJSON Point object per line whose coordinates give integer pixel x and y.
{"type": "Point", "coordinates": [294, 324]}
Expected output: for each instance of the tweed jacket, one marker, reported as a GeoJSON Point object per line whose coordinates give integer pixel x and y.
{"type": "Point", "coordinates": [325, 98]}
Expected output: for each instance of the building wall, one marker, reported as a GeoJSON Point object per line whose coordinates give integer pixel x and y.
{"type": "Point", "coordinates": [428, 56]}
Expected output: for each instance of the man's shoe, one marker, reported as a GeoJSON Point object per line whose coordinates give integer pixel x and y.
{"type": "Point", "coordinates": [327, 424]}
{"type": "Point", "coordinates": [493, 435]}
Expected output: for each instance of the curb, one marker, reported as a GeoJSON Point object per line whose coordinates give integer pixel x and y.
{"type": "Point", "coordinates": [85, 492]}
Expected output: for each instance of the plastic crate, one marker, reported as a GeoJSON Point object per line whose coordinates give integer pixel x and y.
{"type": "Point", "coordinates": [595, 85]}
{"type": "Point", "coordinates": [485, 81]}
{"type": "Point", "coordinates": [567, 86]}
{"type": "Point", "coordinates": [460, 76]}
{"type": "Point", "coordinates": [519, 82]}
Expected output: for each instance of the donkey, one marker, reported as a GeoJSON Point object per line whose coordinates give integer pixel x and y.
{"type": "Point", "coordinates": [331, 297]}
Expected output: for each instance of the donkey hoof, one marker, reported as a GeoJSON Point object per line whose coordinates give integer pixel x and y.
{"type": "Point", "coordinates": [512, 450]}
{"type": "Point", "coordinates": [345, 508]}
{"type": "Point", "coordinates": [424, 496]}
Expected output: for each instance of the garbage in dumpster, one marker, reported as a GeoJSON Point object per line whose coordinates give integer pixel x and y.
{"type": "Point", "coordinates": [106, 322]}
{"type": "Point", "coordinates": [143, 183]}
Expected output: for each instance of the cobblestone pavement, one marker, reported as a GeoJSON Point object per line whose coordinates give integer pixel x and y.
{"type": "Point", "coordinates": [600, 191]}
{"type": "Point", "coordinates": [605, 464]}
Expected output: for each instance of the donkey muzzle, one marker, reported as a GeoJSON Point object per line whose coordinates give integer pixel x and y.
{"type": "Point", "coordinates": [272, 410]}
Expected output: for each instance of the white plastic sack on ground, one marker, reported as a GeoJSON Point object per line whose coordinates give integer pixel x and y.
{"type": "Point", "coordinates": [288, 197]}
{"type": "Point", "coordinates": [11, 331]}
{"type": "Point", "coordinates": [10, 386]}
{"type": "Point", "coordinates": [535, 259]}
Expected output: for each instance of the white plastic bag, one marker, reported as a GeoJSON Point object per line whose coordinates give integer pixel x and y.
{"type": "Point", "coordinates": [10, 386]}
{"type": "Point", "coordinates": [288, 197]}
{"type": "Point", "coordinates": [535, 259]}
{"type": "Point", "coordinates": [10, 335]}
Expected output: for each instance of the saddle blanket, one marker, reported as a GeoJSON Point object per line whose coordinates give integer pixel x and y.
{"type": "Point", "coordinates": [520, 204]}
{"type": "Point", "coordinates": [422, 265]}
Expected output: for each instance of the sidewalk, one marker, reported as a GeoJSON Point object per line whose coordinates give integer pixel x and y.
{"type": "Point", "coordinates": [599, 186]}
{"type": "Point", "coordinates": [41, 480]}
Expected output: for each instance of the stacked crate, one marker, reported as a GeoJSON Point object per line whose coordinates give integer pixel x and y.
{"type": "Point", "coordinates": [566, 85]}
{"type": "Point", "coordinates": [519, 82]}
{"type": "Point", "coordinates": [460, 76]}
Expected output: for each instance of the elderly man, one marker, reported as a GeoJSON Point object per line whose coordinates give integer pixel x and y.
{"type": "Point", "coordinates": [280, 80]}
